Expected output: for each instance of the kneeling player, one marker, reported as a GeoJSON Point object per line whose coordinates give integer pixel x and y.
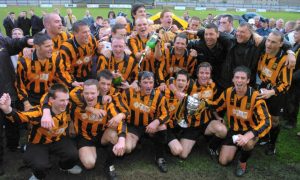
{"type": "Point", "coordinates": [248, 119]}
{"type": "Point", "coordinates": [191, 126]}
{"type": "Point", "coordinates": [148, 115]}
{"type": "Point", "coordinates": [92, 131]}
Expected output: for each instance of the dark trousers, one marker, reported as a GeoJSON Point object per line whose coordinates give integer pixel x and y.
{"type": "Point", "coordinates": [293, 99]}
{"type": "Point", "coordinates": [12, 130]}
{"type": "Point", "coordinates": [37, 156]}
{"type": "Point", "coordinates": [1, 138]}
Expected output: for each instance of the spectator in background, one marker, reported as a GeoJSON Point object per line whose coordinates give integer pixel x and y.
{"type": "Point", "coordinates": [36, 23]}
{"type": "Point", "coordinates": [279, 25]}
{"type": "Point", "coordinates": [257, 21]}
{"type": "Point", "coordinates": [88, 18]}
{"type": "Point", "coordinates": [24, 23]}
{"type": "Point", "coordinates": [106, 24]}
{"type": "Point", "coordinates": [57, 11]}
{"type": "Point", "coordinates": [264, 30]}
{"type": "Point", "coordinates": [96, 26]}
{"type": "Point", "coordinates": [194, 25]}
{"type": "Point", "coordinates": [293, 97]}
{"type": "Point", "coordinates": [137, 10]}
{"type": "Point", "coordinates": [17, 33]}
{"type": "Point", "coordinates": [10, 23]}
{"type": "Point", "coordinates": [70, 19]}
{"type": "Point", "coordinates": [289, 30]}
{"type": "Point", "coordinates": [226, 24]}
{"type": "Point", "coordinates": [111, 18]}
{"type": "Point", "coordinates": [122, 20]}
{"type": "Point", "coordinates": [210, 18]}
{"type": "Point", "coordinates": [252, 23]}
{"type": "Point", "coordinates": [272, 23]}
{"type": "Point", "coordinates": [186, 16]}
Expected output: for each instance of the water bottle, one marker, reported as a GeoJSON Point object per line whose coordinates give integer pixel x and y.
{"type": "Point", "coordinates": [117, 81]}
{"type": "Point", "coordinates": [152, 41]}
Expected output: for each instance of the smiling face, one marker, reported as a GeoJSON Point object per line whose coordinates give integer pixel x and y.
{"type": "Point", "coordinates": [60, 102]}
{"type": "Point", "coordinates": [45, 50]}
{"type": "Point", "coordinates": [17, 33]}
{"type": "Point", "coordinates": [90, 94]}
{"type": "Point", "coordinates": [180, 45]}
{"type": "Point", "coordinates": [118, 47]}
{"type": "Point", "coordinates": [240, 81]}
{"type": "Point", "coordinates": [141, 25]}
{"type": "Point", "coordinates": [211, 37]}
{"type": "Point", "coordinates": [204, 75]}
{"type": "Point", "coordinates": [243, 34]}
{"type": "Point", "coordinates": [83, 34]}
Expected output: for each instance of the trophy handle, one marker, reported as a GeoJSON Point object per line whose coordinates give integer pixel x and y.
{"type": "Point", "coordinates": [181, 112]}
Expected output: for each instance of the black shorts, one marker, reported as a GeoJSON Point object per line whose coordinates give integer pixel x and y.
{"type": "Point", "coordinates": [173, 133]}
{"type": "Point", "coordinates": [138, 131]}
{"type": "Point", "coordinates": [228, 140]}
{"type": "Point", "coordinates": [95, 141]}
{"type": "Point", "coordinates": [275, 104]}
{"type": "Point", "coordinates": [191, 133]}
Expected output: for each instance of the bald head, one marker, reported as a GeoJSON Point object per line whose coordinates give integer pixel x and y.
{"type": "Point", "coordinates": [48, 17]}
{"type": "Point", "coordinates": [121, 20]}
{"type": "Point", "coordinates": [52, 23]}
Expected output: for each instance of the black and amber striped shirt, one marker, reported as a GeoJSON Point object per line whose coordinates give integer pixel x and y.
{"type": "Point", "coordinates": [77, 59]}
{"type": "Point", "coordinates": [34, 77]}
{"type": "Point", "coordinates": [165, 35]}
{"type": "Point", "coordinates": [170, 64]}
{"type": "Point", "coordinates": [89, 126]}
{"type": "Point", "coordinates": [202, 115]}
{"type": "Point", "coordinates": [206, 92]}
{"type": "Point", "coordinates": [38, 134]}
{"type": "Point", "coordinates": [127, 66]}
{"type": "Point", "coordinates": [59, 39]}
{"type": "Point", "coordinates": [137, 44]}
{"type": "Point", "coordinates": [245, 113]}
{"type": "Point", "coordinates": [117, 99]}
{"type": "Point", "coordinates": [172, 102]}
{"type": "Point", "coordinates": [146, 108]}
{"type": "Point", "coordinates": [274, 72]}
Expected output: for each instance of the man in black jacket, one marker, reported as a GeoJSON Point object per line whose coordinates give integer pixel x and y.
{"type": "Point", "coordinates": [212, 47]}
{"type": "Point", "coordinates": [246, 50]}
{"type": "Point", "coordinates": [8, 47]}
{"type": "Point", "coordinates": [24, 23]}
{"type": "Point", "coordinates": [36, 23]}
{"type": "Point", "coordinates": [9, 23]}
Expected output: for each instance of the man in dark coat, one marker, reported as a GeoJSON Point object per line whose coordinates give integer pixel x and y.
{"type": "Point", "coordinates": [10, 23]}
{"type": "Point", "coordinates": [24, 23]}
{"type": "Point", "coordinates": [8, 47]}
{"type": "Point", "coordinates": [36, 23]}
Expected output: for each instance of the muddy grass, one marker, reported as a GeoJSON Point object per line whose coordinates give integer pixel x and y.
{"type": "Point", "coordinates": [140, 166]}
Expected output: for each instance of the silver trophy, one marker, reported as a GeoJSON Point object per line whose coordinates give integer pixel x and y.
{"type": "Point", "coordinates": [193, 104]}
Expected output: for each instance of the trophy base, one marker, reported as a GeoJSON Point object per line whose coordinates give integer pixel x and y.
{"type": "Point", "coordinates": [182, 123]}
